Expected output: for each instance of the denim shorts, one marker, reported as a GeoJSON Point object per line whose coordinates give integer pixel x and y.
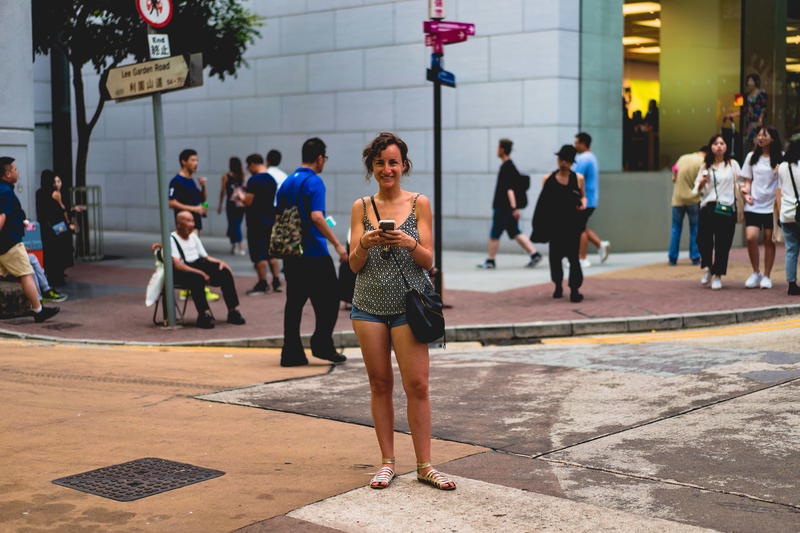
{"type": "Point", "coordinates": [392, 321]}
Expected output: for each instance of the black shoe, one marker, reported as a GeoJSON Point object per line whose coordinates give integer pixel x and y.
{"type": "Point", "coordinates": [235, 317]}
{"type": "Point", "coordinates": [575, 297]}
{"type": "Point", "coordinates": [559, 292]}
{"type": "Point", "coordinates": [794, 290]}
{"type": "Point", "coordinates": [333, 358]}
{"type": "Point", "coordinates": [488, 264]}
{"type": "Point", "coordinates": [45, 313]}
{"type": "Point", "coordinates": [276, 285]}
{"type": "Point", "coordinates": [536, 258]}
{"type": "Point", "coordinates": [206, 321]}
{"type": "Point", "coordinates": [259, 288]}
{"type": "Point", "coordinates": [294, 362]}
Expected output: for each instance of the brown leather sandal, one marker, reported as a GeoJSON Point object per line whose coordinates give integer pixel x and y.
{"type": "Point", "coordinates": [383, 478]}
{"type": "Point", "coordinates": [434, 478]}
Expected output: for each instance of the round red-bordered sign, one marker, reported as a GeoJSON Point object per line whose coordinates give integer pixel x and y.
{"type": "Point", "coordinates": [156, 13]}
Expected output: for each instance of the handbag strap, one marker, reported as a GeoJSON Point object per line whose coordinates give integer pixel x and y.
{"type": "Point", "coordinates": [714, 175]}
{"type": "Point", "coordinates": [794, 186]}
{"type": "Point", "coordinates": [180, 250]}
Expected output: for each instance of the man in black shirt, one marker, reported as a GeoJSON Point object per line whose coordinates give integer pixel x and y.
{"type": "Point", "coordinates": [259, 204]}
{"type": "Point", "coordinates": [13, 257]}
{"type": "Point", "coordinates": [506, 215]}
{"type": "Point", "coordinates": [183, 192]}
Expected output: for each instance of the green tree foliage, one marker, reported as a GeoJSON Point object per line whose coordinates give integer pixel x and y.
{"type": "Point", "coordinates": [104, 33]}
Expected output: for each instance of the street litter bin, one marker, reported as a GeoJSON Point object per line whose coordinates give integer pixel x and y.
{"type": "Point", "coordinates": [33, 241]}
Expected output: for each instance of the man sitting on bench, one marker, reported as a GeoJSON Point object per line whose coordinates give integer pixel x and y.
{"type": "Point", "coordinates": [193, 268]}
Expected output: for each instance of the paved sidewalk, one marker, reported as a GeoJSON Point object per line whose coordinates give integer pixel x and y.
{"type": "Point", "coordinates": [630, 292]}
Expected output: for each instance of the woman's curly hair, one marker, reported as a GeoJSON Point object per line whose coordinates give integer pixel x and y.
{"type": "Point", "coordinates": [378, 145]}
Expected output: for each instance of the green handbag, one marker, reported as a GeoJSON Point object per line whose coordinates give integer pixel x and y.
{"type": "Point", "coordinates": [723, 209]}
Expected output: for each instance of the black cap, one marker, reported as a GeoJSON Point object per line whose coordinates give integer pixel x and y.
{"type": "Point", "coordinates": [567, 153]}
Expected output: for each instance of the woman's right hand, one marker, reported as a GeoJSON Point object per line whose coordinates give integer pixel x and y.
{"type": "Point", "coordinates": [371, 238]}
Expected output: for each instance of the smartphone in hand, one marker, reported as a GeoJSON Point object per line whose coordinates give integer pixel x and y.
{"type": "Point", "coordinates": [386, 225]}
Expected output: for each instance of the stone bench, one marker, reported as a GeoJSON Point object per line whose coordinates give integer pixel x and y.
{"type": "Point", "coordinates": [12, 300]}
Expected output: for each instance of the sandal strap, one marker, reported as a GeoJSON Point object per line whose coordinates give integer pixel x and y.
{"type": "Point", "coordinates": [420, 466]}
{"type": "Point", "coordinates": [434, 476]}
{"type": "Point", "coordinates": [384, 475]}
{"type": "Point", "coordinates": [387, 460]}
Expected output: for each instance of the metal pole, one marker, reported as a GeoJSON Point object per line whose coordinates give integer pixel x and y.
{"type": "Point", "coordinates": [437, 173]}
{"type": "Point", "coordinates": [163, 204]}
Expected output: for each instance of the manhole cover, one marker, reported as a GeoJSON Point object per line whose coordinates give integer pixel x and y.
{"type": "Point", "coordinates": [137, 479]}
{"type": "Point", "coordinates": [61, 325]}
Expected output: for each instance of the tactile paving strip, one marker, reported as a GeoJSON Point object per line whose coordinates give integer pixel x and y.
{"type": "Point", "coordinates": [137, 479]}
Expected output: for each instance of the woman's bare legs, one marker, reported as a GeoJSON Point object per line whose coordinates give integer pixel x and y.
{"type": "Point", "coordinates": [769, 252]}
{"type": "Point", "coordinates": [412, 358]}
{"type": "Point", "coordinates": [374, 340]}
{"type": "Point", "coordinates": [751, 234]}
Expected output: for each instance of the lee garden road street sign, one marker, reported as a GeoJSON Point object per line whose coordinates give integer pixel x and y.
{"type": "Point", "coordinates": [160, 75]}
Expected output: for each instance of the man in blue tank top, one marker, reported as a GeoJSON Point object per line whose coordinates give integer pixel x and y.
{"type": "Point", "coordinates": [311, 276]}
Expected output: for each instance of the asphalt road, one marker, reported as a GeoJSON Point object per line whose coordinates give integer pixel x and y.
{"type": "Point", "coordinates": [686, 430]}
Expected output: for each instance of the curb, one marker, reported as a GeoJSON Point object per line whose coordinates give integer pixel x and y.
{"type": "Point", "coordinates": [488, 333]}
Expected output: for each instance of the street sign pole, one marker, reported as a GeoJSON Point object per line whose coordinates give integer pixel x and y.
{"type": "Point", "coordinates": [437, 170]}
{"type": "Point", "coordinates": [163, 206]}
{"type": "Point", "coordinates": [438, 33]}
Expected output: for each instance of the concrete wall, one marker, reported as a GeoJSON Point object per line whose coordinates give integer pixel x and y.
{"type": "Point", "coordinates": [601, 79]}
{"type": "Point", "coordinates": [16, 103]}
{"type": "Point", "coordinates": [344, 70]}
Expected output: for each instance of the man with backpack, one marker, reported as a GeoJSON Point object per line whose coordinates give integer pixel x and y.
{"type": "Point", "coordinates": [309, 271]}
{"type": "Point", "coordinates": [509, 197]}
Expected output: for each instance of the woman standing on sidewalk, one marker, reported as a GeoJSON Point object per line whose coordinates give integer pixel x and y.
{"type": "Point", "coordinates": [760, 173]}
{"type": "Point", "coordinates": [789, 204]}
{"type": "Point", "coordinates": [57, 228]}
{"type": "Point", "coordinates": [378, 312]}
{"type": "Point", "coordinates": [232, 190]}
{"type": "Point", "coordinates": [717, 180]}
{"type": "Point", "coordinates": [558, 218]}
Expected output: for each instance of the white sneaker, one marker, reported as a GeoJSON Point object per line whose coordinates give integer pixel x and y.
{"type": "Point", "coordinates": [706, 277]}
{"type": "Point", "coordinates": [765, 283]}
{"type": "Point", "coordinates": [753, 280]}
{"type": "Point", "coordinates": [585, 263]}
{"type": "Point", "coordinates": [603, 250]}
{"type": "Point", "coordinates": [716, 283]}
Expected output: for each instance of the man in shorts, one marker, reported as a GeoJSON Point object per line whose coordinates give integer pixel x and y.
{"type": "Point", "coordinates": [506, 214]}
{"type": "Point", "coordinates": [13, 257]}
{"type": "Point", "coordinates": [259, 204]}
{"type": "Point", "coordinates": [586, 164]}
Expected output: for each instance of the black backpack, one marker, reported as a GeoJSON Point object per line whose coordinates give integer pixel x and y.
{"type": "Point", "coordinates": [521, 186]}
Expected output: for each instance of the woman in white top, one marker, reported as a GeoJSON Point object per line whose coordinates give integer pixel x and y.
{"type": "Point", "coordinates": [716, 181]}
{"type": "Point", "coordinates": [789, 204]}
{"type": "Point", "coordinates": [760, 173]}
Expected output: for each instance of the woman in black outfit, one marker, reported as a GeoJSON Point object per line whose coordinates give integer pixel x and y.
{"type": "Point", "coordinates": [233, 191]}
{"type": "Point", "coordinates": [557, 220]}
{"type": "Point", "coordinates": [56, 227]}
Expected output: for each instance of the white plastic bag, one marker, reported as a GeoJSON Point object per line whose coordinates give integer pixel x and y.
{"type": "Point", "coordinates": [155, 285]}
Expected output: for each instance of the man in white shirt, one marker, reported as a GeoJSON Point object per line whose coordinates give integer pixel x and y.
{"type": "Point", "coordinates": [273, 160]}
{"type": "Point", "coordinates": [194, 268]}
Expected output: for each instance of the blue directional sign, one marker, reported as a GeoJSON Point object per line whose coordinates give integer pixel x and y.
{"type": "Point", "coordinates": [444, 77]}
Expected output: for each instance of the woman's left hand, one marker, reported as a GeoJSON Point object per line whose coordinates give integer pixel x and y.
{"type": "Point", "coordinates": [398, 238]}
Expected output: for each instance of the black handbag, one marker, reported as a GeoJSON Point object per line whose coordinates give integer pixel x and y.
{"type": "Point", "coordinates": [424, 309]}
